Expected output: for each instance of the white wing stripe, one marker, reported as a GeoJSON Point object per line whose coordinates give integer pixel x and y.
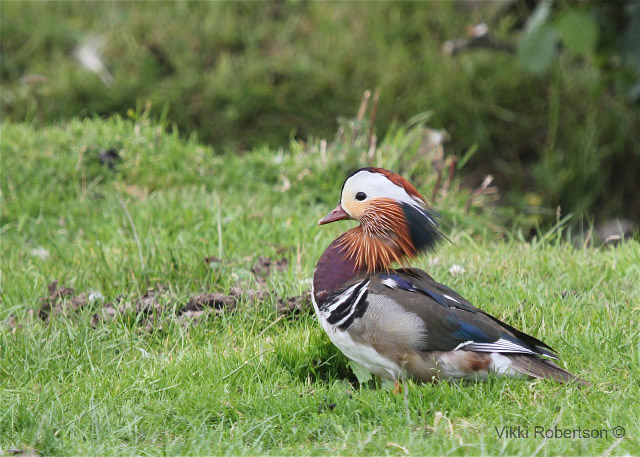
{"type": "Point", "coordinates": [461, 345]}
{"type": "Point", "coordinates": [343, 297]}
{"type": "Point", "coordinates": [501, 345]}
{"type": "Point", "coordinates": [390, 283]}
{"type": "Point", "coordinates": [451, 298]}
{"type": "Point", "coordinates": [353, 308]}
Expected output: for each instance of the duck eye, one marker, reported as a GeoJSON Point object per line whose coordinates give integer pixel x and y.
{"type": "Point", "coordinates": [361, 196]}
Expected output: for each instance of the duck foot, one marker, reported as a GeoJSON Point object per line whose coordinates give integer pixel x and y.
{"type": "Point", "coordinates": [398, 387]}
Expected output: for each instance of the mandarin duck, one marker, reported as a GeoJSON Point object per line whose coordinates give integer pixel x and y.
{"type": "Point", "coordinates": [400, 322]}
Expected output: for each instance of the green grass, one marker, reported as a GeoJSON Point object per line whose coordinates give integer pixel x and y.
{"type": "Point", "coordinates": [249, 382]}
{"type": "Point", "coordinates": [244, 74]}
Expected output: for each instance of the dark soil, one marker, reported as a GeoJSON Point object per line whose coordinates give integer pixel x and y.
{"type": "Point", "coordinates": [263, 266]}
{"type": "Point", "coordinates": [294, 305]}
{"type": "Point", "coordinates": [61, 300]}
{"type": "Point", "coordinates": [20, 452]}
{"type": "Point", "coordinates": [158, 304]}
{"type": "Point", "coordinates": [109, 157]}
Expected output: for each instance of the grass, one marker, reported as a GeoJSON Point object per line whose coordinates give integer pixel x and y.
{"type": "Point", "coordinates": [246, 74]}
{"type": "Point", "coordinates": [249, 381]}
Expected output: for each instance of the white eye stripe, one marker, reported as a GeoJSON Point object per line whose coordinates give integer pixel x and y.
{"type": "Point", "coordinates": [376, 185]}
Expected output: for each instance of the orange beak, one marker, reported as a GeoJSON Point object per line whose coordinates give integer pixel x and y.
{"type": "Point", "coordinates": [337, 214]}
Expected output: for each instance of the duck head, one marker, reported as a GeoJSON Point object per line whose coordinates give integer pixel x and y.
{"type": "Point", "coordinates": [395, 220]}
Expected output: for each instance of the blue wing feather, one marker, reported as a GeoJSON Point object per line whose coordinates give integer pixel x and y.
{"type": "Point", "coordinates": [403, 284]}
{"type": "Point", "coordinates": [469, 332]}
{"type": "Point", "coordinates": [469, 335]}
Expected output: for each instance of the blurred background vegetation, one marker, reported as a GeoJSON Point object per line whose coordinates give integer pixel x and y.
{"type": "Point", "coordinates": [544, 96]}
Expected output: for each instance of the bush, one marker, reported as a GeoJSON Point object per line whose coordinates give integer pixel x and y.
{"type": "Point", "coordinates": [243, 74]}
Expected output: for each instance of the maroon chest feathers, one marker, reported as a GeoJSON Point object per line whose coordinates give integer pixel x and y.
{"type": "Point", "coordinates": [334, 268]}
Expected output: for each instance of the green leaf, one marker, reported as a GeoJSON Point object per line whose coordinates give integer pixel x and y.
{"type": "Point", "coordinates": [467, 156]}
{"type": "Point", "coordinates": [578, 32]}
{"type": "Point", "coordinates": [361, 372]}
{"type": "Point", "coordinates": [537, 49]}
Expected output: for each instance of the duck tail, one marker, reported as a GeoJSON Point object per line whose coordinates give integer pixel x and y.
{"type": "Point", "coordinates": [542, 368]}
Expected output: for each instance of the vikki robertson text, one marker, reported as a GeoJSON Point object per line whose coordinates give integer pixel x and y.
{"type": "Point", "coordinates": [538, 431]}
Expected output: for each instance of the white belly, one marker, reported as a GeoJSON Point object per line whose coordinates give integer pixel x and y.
{"type": "Point", "coordinates": [360, 353]}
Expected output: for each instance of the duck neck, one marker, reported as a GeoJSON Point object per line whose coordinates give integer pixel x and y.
{"type": "Point", "coordinates": [335, 267]}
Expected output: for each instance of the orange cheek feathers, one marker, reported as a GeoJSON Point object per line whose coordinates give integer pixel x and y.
{"type": "Point", "coordinates": [356, 208]}
{"type": "Point", "coordinates": [382, 238]}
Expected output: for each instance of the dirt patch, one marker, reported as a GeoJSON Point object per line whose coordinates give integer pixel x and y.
{"type": "Point", "coordinates": [212, 260]}
{"type": "Point", "coordinates": [61, 300]}
{"type": "Point", "coordinates": [569, 293]}
{"type": "Point", "coordinates": [10, 324]}
{"type": "Point", "coordinates": [158, 304]}
{"type": "Point", "coordinates": [150, 302]}
{"type": "Point", "coordinates": [20, 452]}
{"type": "Point", "coordinates": [294, 305]}
{"type": "Point", "coordinates": [106, 314]}
{"type": "Point", "coordinates": [216, 301]}
{"type": "Point", "coordinates": [219, 302]}
{"type": "Point", "coordinates": [109, 157]}
{"type": "Point", "coordinates": [263, 266]}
